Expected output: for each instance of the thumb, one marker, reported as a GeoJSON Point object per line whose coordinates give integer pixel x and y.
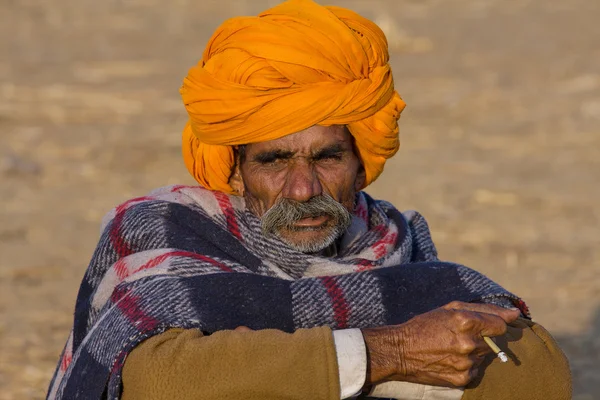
{"type": "Point", "coordinates": [510, 314]}
{"type": "Point", "coordinates": [242, 329]}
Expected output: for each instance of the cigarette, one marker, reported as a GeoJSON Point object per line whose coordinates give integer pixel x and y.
{"type": "Point", "coordinates": [501, 355]}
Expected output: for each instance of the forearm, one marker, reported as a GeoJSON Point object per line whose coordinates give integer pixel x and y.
{"type": "Point", "coordinates": [265, 365]}
{"type": "Point", "coordinates": [384, 359]}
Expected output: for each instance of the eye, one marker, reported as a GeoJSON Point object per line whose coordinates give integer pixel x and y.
{"type": "Point", "coordinates": [271, 161]}
{"type": "Point", "coordinates": [329, 157]}
{"type": "Point", "coordinates": [266, 160]}
{"type": "Point", "coordinates": [272, 158]}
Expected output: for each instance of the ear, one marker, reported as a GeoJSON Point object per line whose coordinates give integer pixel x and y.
{"type": "Point", "coordinates": [361, 179]}
{"type": "Point", "coordinates": [235, 180]}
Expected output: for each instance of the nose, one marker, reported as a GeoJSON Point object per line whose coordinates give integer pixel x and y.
{"type": "Point", "coordinates": [302, 182]}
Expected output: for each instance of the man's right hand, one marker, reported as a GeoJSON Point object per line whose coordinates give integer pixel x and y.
{"type": "Point", "coordinates": [443, 347]}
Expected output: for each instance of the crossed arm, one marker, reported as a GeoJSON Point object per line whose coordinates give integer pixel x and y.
{"type": "Point", "coordinates": [443, 347]}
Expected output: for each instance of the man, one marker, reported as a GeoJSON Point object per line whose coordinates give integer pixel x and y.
{"type": "Point", "coordinates": [278, 278]}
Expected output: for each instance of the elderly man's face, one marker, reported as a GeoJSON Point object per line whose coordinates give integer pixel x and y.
{"type": "Point", "coordinates": [302, 186]}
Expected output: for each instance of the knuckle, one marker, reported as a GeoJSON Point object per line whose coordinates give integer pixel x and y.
{"type": "Point", "coordinates": [466, 346]}
{"type": "Point", "coordinates": [454, 304]}
{"type": "Point", "coordinates": [463, 320]}
{"type": "Point", "coordinates": [502, 328]}
{"type": "Point", "coordinates": [463, 365]}
{"type": "Point", "coordinates": [461, 379]}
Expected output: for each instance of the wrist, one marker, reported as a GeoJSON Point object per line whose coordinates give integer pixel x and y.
{"type": "Point", "coordinates": [385, 347]}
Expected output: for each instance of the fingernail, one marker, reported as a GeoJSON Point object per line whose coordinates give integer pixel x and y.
{"type": "Point", "coordinates": [514, 309]}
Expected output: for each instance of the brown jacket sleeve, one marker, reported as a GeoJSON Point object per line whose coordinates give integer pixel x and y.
{"type": "Point", "coordinates": [537, 369]}
{"type": "Point", "coordinates": [261, 365]}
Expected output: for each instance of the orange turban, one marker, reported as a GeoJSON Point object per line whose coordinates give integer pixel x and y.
{"type": "Point", "coordinates": [296, 65]}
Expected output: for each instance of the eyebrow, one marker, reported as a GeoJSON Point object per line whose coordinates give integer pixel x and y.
{"type": "Point", "coordinates": [269, 156]}
{"type": "Point", "coordinates": [272, 155]}
{"type": "Point", "coordinates": [332, 150]}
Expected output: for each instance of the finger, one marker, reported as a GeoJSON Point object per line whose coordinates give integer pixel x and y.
{"type": "Point", "coordinates": [461, 363]}
{"type": "Point", "coordinates": [476, 359]}
{"type": "Point", "coordinates": [481, 348]}
{"type": "Point", "coordinates": [242, 329]}
{"type": "Point", "coordinates": [461, 379]}
{"type": "Point", "coordinates": [476, 324]}
{"type": "Point", "coordinates": [507, 314]}
{"type": "Point", "coordinates": [473, 373]}
{"type": "Point", "coordinates": [490, 325]}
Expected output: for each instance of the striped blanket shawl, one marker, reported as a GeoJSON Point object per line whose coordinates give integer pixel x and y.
{"type": "Point", "coordinates": [188, 257]}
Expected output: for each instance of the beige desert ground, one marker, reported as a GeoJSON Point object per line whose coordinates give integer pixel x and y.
{"type": "Point", "coordinates": [500, 148]}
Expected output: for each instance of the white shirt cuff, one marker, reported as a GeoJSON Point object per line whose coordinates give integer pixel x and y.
{"type": "Point", "coordinates": [414, 391]}
{"type": "Point", "coordinates": [352, 360]}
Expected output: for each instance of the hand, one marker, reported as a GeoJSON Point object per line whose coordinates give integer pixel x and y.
{"type": "Point", "coordinates": [443, 347]}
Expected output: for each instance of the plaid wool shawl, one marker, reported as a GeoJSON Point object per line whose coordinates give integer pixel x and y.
{"type": "Point", "coordinates": [192, 258]}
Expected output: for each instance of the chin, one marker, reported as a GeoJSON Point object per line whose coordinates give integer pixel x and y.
{"type": "Point", "coordinates": [309, 240]}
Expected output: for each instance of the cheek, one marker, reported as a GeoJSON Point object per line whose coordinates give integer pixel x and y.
{"type": "Point", "coordinates": [261, 191]}
{"type": "Point", "coordinates": [339, 183]}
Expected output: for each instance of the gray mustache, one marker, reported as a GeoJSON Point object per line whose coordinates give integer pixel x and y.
{"type": "Point", "coordinates": [286, 212]}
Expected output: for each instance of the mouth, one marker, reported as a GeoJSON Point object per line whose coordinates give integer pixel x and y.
{"type": "Point", "coordinates": [312, 222]}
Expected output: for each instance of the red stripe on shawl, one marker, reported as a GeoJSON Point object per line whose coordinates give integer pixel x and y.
{"type": "Point", "coordinates": [129, 304]}
{"type": "Point", "coordinates": [227, 209]}
{"type": "Point", "coordinates": [523, 308]}
{"type": "Point", "coordinates": [179, 253]}
{"type": "Point", "coordinates": [66, 360]}
{"type": "Point", "coordinates": [122, 248]}
{"type": "Point", "coordinates": [177, 188]}
{"type": "Point", "coordinates": [364, 265]}
{"type": "Point", "coordinates": [130, 307]}
{"type": "Point", "coordinates": [362, 213]}
{"type": "Point", "coordinates": [340, 306]}
{"type": "Point", "coordinates": [379, 248]}
{"type": "Point", "coordinates": [121, 269]}
{"type": "Point", "coordinates": [380, 229]}
{"type": "Point", "coordinates": [123, 272]}
{"type": "Point", "coordinates": [119, 362]}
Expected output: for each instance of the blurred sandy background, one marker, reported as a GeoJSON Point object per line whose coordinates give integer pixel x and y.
{"type": "Point", "coordinates": [501, 148]}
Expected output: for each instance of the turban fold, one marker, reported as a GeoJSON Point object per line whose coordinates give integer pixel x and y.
{"type": "Point", "coordinates": [296, 65]}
